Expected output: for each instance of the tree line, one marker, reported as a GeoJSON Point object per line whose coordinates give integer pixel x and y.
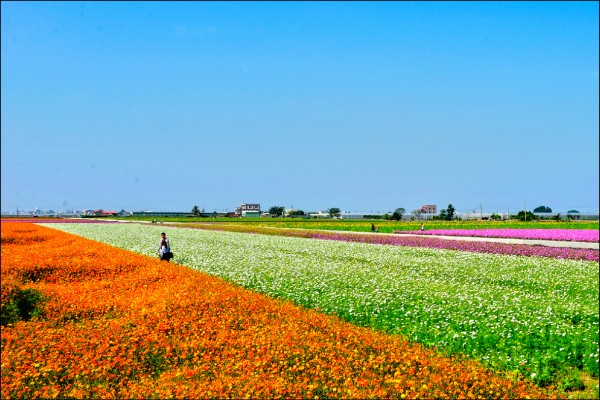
{"type": "Point", "coordinates": [446, 214]}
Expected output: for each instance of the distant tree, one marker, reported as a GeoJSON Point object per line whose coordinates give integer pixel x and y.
{"type": "Point", "coordinates": [572, 212]}
{"type": "Point", "coordinates": [276, 211]}
{"type": "Point", "coordinates": [443, 214]}
{"type": "Point", "coordinates": [334, 212]}
{"type": "Point", "coordinates": [450, 213]}
{"type": "Point", "coordinates": [195, 211]}
{"type": "Point", "coordinates": [397, 215]}
{"type": "Point", "coordinates": [542, 209]}
{"type": "Point", "coordinates": [556, 217]}
{"type": "Point", "coordinates": [296, 213]}
{"type": "Point", "coordinates": [416, 213]}
{"type": "Point", "coordinates": [529, 216]}
{"type": "Point", "coordinates": [496, 217]}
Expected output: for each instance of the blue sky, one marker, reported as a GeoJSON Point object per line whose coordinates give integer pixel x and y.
{"type": "Point", "coordinates": [361, 106]}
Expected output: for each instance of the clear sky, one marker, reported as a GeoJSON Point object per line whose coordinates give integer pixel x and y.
{"type": "Point", "coordinates": [361, 106]}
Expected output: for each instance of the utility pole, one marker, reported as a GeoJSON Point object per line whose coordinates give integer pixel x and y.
{"type": "Point", "coordinates": [525, 210]}
{"type": "Point", "coordinates": [481, 211]}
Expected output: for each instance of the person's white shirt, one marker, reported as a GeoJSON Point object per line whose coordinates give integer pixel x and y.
{"type": "Point", "coordinates": [163, 249]}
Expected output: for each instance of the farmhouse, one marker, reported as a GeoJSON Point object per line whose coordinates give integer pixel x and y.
{"type": "Point", "coordinates": [248, 210]}
{"type": "Point", "coordinates": [428, 209]}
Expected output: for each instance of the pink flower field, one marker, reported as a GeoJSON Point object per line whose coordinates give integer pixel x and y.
{"type": "Point", "coordinates": [572, 235]}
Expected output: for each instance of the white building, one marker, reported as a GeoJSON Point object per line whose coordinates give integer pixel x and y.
{"type": "Point", "coordinates": [476, 215]}
{"type": "Point", "coordinates": [253, 208]}
{"type": "Point", "coordinates": [320, 214]}
{"type": "Point", "coordinates": [359, 215]}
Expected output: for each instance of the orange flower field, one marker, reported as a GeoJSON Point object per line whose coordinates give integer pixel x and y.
{"type": "Point", "coordinates": [115, 324]}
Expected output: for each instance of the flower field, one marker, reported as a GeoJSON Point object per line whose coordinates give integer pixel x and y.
{"type": "Point", "coordinates": [533, 317]}
{"type": "Point", "coordinates": [579, 235]}
{"type": "Point", "coordinates": [385, 226]}
{"type": "Point", "coordinates": [414, 241]}
{"type": "Point", "coordinates": [83, 319]}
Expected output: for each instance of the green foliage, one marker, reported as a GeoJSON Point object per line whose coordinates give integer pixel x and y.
{"type": "Point", "coordinates": [276, 211]}
{"type": "Point", "coordinates": [446, 214]}
{"type": "Point", "coordinates": [556, 217]}
{"type": "Point", "coordinates": [572, 382]}
{"type": "Point", "coordinates": [521, 216]}
{"type": "Point", "coordinates": [397, 215]}
{"type": "Point", "coordinates": [542, 209]}
{"type": "Point", "coordinates": [334, 212]}
{"type": "Point", "coordinates": [296, 213]}
{"type": "Point", "coordinates": [195, 211]}
{"type": "Point", "coordinates": [496, 217]}
{"type": "Point", "coordinates": [571, 216]}
{"type": "Point", "coordinates": [450, 213]}
{"type": "Point", "coordinates": [22, 304]}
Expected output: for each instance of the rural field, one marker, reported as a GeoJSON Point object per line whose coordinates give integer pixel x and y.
{"type": "Point", "coordinates": [254, 309]}
{"type": "Point", "coordinates": [385, 226]}
{"type": "Point", "coordinates": [362, 200]}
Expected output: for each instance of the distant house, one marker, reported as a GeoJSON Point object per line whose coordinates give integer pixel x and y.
{"type": "Point", "coordinates": [248, 210]}
{"type": "Point", "coordinates": [429, 209]}
{"type": "Point", "coordinates": [320, 214]}
{"type": "Point", "coordinates": [124, 213]}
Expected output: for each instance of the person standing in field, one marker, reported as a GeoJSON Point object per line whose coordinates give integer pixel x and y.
{"type": "Point", "coordinates": [372, 227]}
{"type": "Point", "coordinates": [422, 227]}
{"type": "Point", "coordinates": [164, 248]}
